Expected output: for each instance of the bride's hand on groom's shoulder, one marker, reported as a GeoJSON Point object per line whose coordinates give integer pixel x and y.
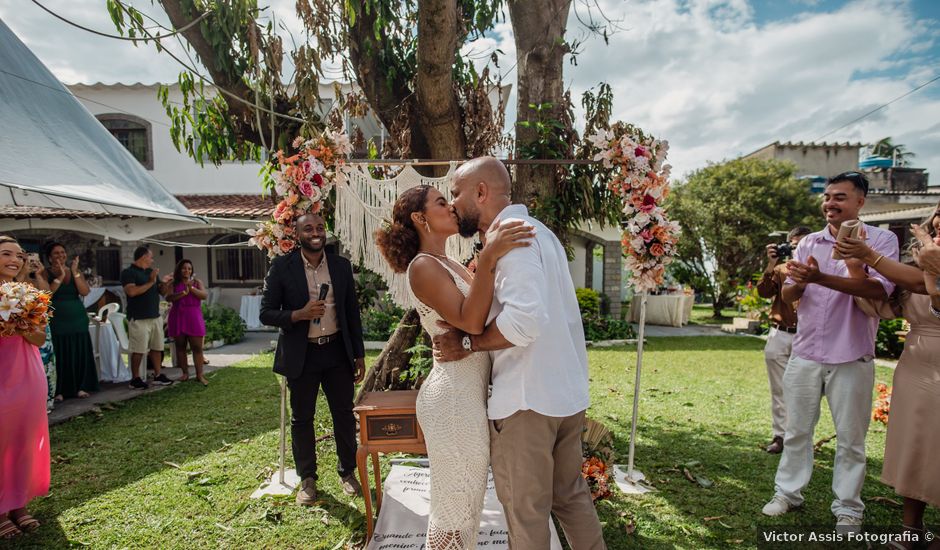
{"type": "Point", "coordinates": [502, 237]}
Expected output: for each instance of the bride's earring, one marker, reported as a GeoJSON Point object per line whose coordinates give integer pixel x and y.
{"type": "Point", "coordinates": [427, 226]}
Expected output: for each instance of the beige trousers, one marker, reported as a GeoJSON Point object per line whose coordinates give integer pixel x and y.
{"type": "Point", "coordinates": [776, 356]}
{"type": "Point", "coordinates": [536, 463]}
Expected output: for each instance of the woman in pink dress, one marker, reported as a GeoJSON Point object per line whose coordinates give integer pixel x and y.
{"type": "Point", "coordinates": [185, 323]}
{"type": "Point", "coordinates": [24, 426]}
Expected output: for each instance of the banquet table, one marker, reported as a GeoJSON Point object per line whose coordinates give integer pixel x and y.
{"type": "Point", "coordinates": [111, 366]}
{"type": "Point", "coordinates": [672, 310]}
{"type": "Point", "coordinates": [250, 311]}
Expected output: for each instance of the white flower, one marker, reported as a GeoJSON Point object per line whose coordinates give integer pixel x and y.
{"type": "Point", "coordinates": [8, 307]}
{"type": "Point", "coordinates": [341, 142]}
{"type": "Point", "coordinates": [316, 167]}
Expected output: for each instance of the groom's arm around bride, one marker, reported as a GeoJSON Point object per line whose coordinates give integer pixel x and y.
{"type": "Point", "coordinates": [540, 372]}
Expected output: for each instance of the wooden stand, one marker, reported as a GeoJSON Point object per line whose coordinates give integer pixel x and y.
{"type": "Point", "coordinates": [387, 423]}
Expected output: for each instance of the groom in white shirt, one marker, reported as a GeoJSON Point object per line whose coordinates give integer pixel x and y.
{"type": "Point", "coordinates": [540, 370]}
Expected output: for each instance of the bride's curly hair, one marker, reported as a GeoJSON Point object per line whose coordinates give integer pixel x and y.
{"type": "Point", "coordinates": [398, 241]}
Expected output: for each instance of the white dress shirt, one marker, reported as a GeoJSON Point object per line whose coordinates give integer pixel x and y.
{"type": "Point", "coordinates": [535, 308]}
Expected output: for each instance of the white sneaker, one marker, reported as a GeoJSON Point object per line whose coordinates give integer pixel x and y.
{"type": "Point", "coordinates": [777, 506]}
{"type": "Point", "coordinates": [848, 524]}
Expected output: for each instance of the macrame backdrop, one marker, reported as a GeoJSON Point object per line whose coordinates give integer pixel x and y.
{"type": "Point", "coordinates": [363, 204]}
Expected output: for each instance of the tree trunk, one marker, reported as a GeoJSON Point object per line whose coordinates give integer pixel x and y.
{"type": "Point", "coordinates": [438, 113]}
{"type": "Point", "coordinates": [539, 31]}
{"type": "Point", "coordinates": [383, 374]}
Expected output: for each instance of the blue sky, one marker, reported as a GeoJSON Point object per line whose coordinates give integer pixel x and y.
{"type": "Point", "coordinates": [717, 78]}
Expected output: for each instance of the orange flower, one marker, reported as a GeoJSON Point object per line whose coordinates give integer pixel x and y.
{"type": "Point", "coordinates": [657, 250]}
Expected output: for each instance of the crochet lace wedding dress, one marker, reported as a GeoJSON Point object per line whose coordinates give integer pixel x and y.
{"type": "Point", "coordinates": [451, 409]}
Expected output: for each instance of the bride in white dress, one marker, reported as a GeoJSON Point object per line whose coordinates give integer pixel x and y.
{"type": "Point", "coordinates": [451, 404]}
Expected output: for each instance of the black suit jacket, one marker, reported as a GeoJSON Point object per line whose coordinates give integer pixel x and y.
{"type": "Point", "coordinates": [285, 290]}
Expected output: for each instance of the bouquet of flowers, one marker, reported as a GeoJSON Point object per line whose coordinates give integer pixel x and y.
{"type": "Point", "coordinates": [302, 181]}
{"type": "Point", "coordinates": [641, 178]}
{"type": "Point", "coordinates": [882, 408]}
{"type": "Point", "coordinates": [595, 471]}
{"type": "Point", "coordinates": [23, 308]}
{"type": "Point", "coordinates": [597, 448]}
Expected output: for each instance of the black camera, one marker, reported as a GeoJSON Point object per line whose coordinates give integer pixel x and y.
{"type": "Point", "coordinates": [784, 250]}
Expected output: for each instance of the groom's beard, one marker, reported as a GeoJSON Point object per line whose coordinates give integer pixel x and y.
{"type": "Point", "coordinates": [468, 226]}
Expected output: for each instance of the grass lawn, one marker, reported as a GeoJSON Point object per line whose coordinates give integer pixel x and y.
{"type": "Point", "coordinates": [702, 314]}
{"type": "Point", "coordinates": [174, 469]}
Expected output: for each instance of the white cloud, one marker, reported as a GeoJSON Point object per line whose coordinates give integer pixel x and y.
{"type": "Point", "coordinates": [705, 76]}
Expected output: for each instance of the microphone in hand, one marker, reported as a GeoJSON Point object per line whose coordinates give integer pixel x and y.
{"type": "Point", "coordinates": [324, 289]}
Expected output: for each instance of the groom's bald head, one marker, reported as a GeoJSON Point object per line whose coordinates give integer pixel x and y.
{"type": "Point", "coordinates": [489, 171]}
{"type": "Point", "coordinates": [481, 189]}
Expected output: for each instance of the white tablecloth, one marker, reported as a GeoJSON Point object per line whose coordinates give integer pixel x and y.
{"type": "Point", "coordinates": [95, 293]}
{"type": "Point", "coordinates": [250, 311]}
{"type": "Point", "coordinates": [672, 310]}
{"type": "Point", "coordinates": [111, 366]}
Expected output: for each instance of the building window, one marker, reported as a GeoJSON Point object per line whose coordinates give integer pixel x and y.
{"type": "Point", "coordinates": [237, 264]}
{"type": "Point", "coordinates": [108, 264]}
{"type": "Point", "coordinates": [133, 133]}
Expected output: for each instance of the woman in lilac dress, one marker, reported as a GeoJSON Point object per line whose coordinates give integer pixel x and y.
{"type": "Point", "coordinates": [24, 426]}
{"type": "Point", "coordinates": [185, 323]}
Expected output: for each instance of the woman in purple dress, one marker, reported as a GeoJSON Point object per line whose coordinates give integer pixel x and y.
{"type": "Point", "coordinates": [185, 323]}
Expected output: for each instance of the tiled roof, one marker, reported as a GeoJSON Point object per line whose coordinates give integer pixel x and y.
{"type": "Point", "coordinates": [227, 206]}
{"type": "Point", "coordinates": [23, 212]}
{"type": "Point", "coordinates": [213, 206]}
{"type": "Point", "coordinates": [914, 214]}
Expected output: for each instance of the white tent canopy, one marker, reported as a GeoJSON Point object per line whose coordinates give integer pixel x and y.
{"type": "Point", "coordinates": [55, 154]}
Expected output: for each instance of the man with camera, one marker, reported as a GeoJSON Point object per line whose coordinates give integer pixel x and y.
{"type": "Point", "coordinates": [782, 329]}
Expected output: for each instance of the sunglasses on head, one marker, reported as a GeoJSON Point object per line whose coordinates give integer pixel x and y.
{"type": "Point", "coordinates": [857, 178]}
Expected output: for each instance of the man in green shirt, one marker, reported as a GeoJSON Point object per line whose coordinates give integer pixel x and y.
{"type": "Point", "coordinates": [145, 325]}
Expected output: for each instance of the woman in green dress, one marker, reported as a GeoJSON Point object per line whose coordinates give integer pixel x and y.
{"type": "Point", "coordinates": [74, 356]}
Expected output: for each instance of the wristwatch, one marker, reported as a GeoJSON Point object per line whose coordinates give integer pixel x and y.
{"type": "Point", "coordinates": [467, 344]}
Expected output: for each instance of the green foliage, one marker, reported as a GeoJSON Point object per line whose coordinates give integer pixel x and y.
{"type": "Point", "coordinates": [605, 327]}
{"type": "Point", "coordinates": [727, 212]}
{"type": "Point", "coordinates": [380, 319]}
{"type": "Point", "coordinates": [368, 285]}
{"type": "Point", "coordinates": [589, 301]}
{"type": "Point", "coordinates": [579, 192]}
{"type": "Point", "coordinates": [598, 326]}
{"type": "Point", "coordinates": [420, 364]}
{"type": "Point", "coordinates": [223, 323]}
{"type": "Point", "coordinates": [887, 341]}
{"type": "Point", "coordinates": [751, 303]}
{"type": "Point", "coordinates": [885, 147]}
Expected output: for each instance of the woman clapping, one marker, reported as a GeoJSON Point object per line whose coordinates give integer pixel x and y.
{"type": "Point", "coordinates": [185, 323]}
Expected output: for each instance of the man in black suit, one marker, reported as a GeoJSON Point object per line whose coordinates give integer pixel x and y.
{"type": "Point", "coordinates": [320, 343]}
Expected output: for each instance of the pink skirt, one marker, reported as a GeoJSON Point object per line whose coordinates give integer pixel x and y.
{"type": "Point", "coordinates": [24, 426]}
{"type": "Point", "coordinates": [185, 320]}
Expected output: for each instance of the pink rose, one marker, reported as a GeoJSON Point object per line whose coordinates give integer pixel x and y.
{"type": "Point", "coordinates": [305, 188]}
{"type": "Point", "coordinates": [647, 236]}
{"type": "Point", "coordinates": [285, 245]}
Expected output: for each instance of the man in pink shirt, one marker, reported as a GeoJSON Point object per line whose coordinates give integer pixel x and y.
{"type": "Point", "coordinates": [833, 355]}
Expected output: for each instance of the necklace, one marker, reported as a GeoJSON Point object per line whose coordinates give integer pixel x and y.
{"type": "Point", "coordinates": [441, 256]}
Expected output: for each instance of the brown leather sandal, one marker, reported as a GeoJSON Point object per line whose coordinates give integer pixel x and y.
{"type": "Point", "coordinates": [26, 522]}
{"type": "Point", "coordinates": [8, 529]}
